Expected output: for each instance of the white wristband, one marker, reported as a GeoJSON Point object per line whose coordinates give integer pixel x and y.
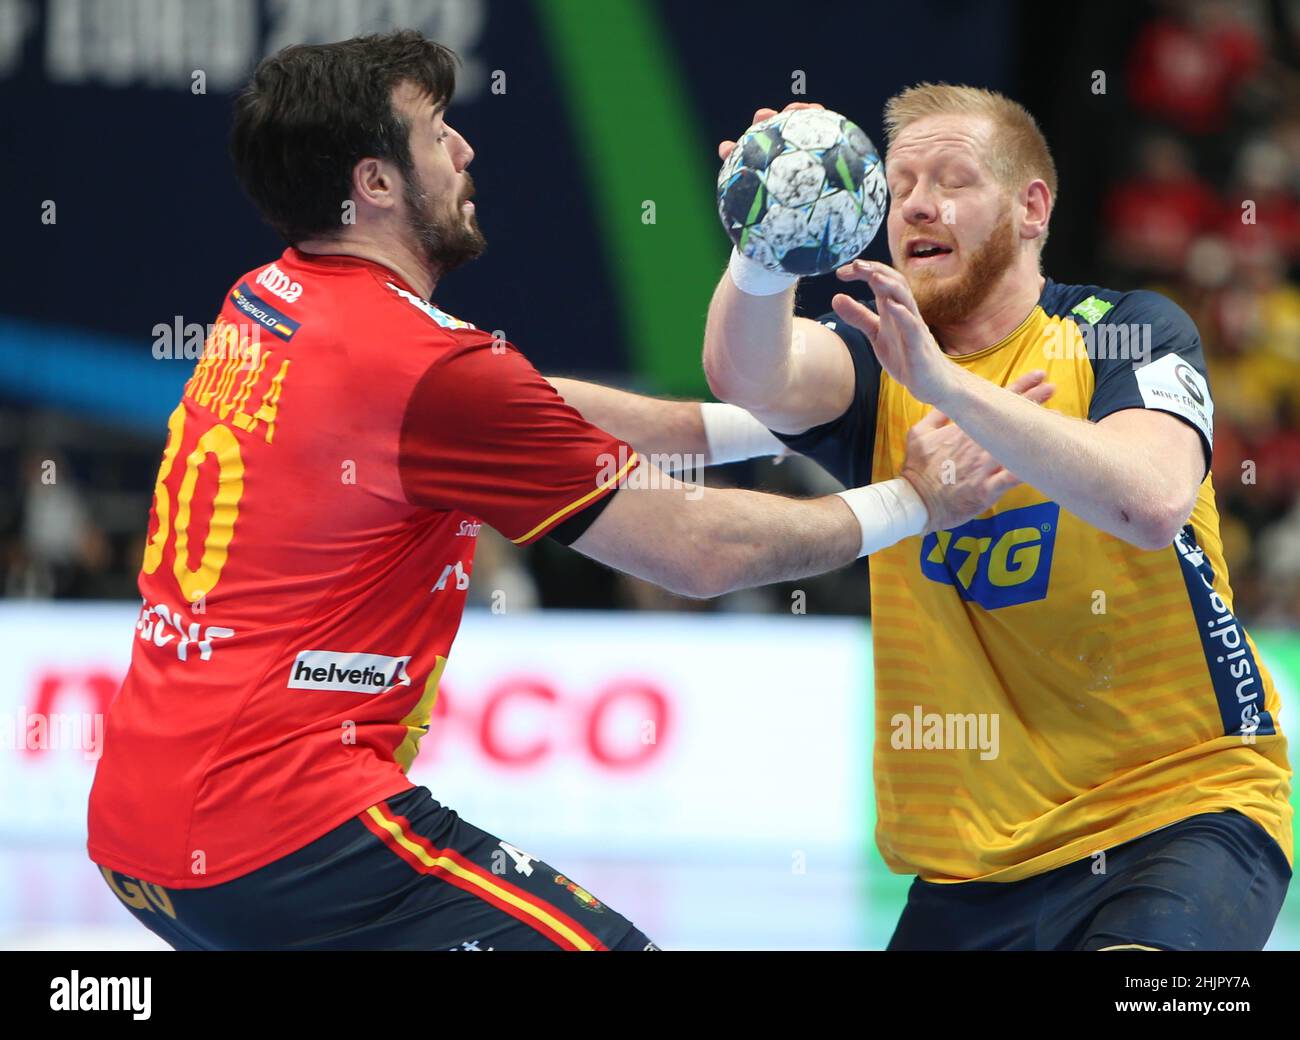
{"type": "Point", "coordinates": [751, 277]}
{"type": "Point", "coordinates": [887, 512]}
{"type": "Point", "coordinates": [734, 435]}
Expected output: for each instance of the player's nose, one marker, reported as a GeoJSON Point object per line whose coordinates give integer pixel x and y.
{"type": "Point", "coordinates": [464, 153]}
{"type": "Point", "coordinates": [919, 208]}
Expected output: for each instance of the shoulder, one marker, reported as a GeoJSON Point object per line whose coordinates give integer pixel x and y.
{"type": "Point", "coordinates": [421, 318]}
{"type": "Point", "coordinates": [414, 340]}
{"type": "Point", "coordinates": [1096, 305]}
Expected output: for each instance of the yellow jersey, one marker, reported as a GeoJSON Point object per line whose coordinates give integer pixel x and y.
{"type": "Point", "coordinates": [1046, 691]}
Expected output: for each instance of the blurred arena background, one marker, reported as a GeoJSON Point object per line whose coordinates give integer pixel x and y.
{"type": "Point", "coordinates": [749, 822]}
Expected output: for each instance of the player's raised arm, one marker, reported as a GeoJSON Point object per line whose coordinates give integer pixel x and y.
{"type": "Point", "coordinates": [791, 373]}
{"type": "Point", "coordinates": [1132, 468]}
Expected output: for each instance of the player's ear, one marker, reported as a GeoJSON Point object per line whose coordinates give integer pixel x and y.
{"type": "Point", "coordinates": [1036, 198]}
{"type": "Point", "coordinates": [374, 182]}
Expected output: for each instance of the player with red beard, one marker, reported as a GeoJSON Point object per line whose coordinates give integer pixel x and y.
{"type": "Point", "coordinates": [1077, 745]}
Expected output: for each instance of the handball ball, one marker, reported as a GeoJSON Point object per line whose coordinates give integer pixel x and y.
{"type": "Point", "coordinates": [803, 192]}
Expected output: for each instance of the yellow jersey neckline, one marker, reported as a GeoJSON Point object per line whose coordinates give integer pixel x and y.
{"type": "Point", "coordinates": [1014, 334]}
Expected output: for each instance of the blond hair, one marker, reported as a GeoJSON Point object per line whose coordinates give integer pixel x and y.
{"type": "Point", "coordinates": [1018, 150]}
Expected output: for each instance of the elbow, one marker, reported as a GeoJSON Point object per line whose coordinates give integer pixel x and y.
{"type": "Point", "coordinates": [703, 572]}
{"type": "Point", "coordinates": [723, 388]}
{"type": "Point", "coordinates": [733, 386]}
{"type": "Point", "coordinates": [1152, 537]}
{"type": "Point", "coordinates": [731, 382]}
{"type": "Point", "coordinates": [1157, 526]}
{"type": "Point", "coordinates": [705, 580]}
{"type": "Point", "coordinates": [712, 359]}
{"type": "Point", "coordinates": [698, 553]}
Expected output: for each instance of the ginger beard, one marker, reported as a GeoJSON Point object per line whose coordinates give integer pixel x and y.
{"type": "Point", "coordinates": [948, 299]}
{"type": "Point", "coordinates": [445, 241]}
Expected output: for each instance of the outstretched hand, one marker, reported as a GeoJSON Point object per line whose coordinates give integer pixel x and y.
{"type": "Point", "coordinates": [954, 476]}
{"type": "Point", "coordinates": [903, 343]}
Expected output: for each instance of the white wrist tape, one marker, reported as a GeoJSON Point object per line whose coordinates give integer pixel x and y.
{"type": "Point", "coordinates": [753, 278]}
{"type": "Point", "coordinates": [887, 512]}
{"type": "Point", "coordinates": [734, 435]}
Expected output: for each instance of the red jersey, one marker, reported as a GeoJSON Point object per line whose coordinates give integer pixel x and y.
{"type": "Point", "coordinates": [310, 546]}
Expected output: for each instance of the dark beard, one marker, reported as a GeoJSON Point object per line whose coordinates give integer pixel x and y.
{"type": "Point", "coordinates": [445, 244]}
{"type": "Point", "coordinates": [948, 302]}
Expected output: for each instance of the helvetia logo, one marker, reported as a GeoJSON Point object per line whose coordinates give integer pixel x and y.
{"type": "Point", "coordinates": [347, 673]}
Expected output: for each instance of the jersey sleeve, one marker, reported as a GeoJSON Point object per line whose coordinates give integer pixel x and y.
{"type": "Point", "coordinates": [1170, 377]}
{"type": "Point", "coordinates": [485, 433]}
{"type": "Point", "coordinates": [844, 447]}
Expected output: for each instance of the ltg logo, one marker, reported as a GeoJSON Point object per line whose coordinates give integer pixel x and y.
{"type": "Point", "coordinates": [998, 561]}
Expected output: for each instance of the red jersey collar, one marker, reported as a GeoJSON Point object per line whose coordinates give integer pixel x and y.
{"type": "Point", "coordinates": [296, 256]}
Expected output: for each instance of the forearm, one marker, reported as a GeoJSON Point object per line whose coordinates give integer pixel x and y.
{"type": "Point", "coordinates": [676, 436]}
{"type": "Point", "coordinates": [747, 344]}
{"type": "Point", "coordinates": [759, 539]}
{"type": "Point", "coordinates": [790, 373]}
{"type": "Point", "coordinates": [652, 426]}
{"type": "Point", "coordinates": [704, 542]}
{"type": "Point", "coordinates": [1096, 473]}
{"type": "Point", "coordinates": [745, 539]}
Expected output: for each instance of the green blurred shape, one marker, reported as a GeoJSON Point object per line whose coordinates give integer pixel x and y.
{"type": "Point", "coordinates": [637, 130]}
{"type": "Point", "coordinates": [1280, 652]}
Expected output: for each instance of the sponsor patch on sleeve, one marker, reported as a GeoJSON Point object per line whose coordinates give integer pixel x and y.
{"type": "Point", "coordinates": [256, 309]}
{"type": "Point", "coordinates": [1172, 385]}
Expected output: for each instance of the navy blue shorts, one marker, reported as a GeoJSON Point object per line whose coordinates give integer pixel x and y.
{"type": "Point", "coordinates": [405, 874]}
{"type": "Point", "coordinates": [1215, 881]}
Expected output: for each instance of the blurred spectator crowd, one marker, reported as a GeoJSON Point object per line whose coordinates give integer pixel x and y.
{"type": "Point", "coordinates": [1204, 206]}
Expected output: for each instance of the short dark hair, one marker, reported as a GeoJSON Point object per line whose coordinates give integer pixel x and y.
{"type": "Point", "coordinates": [311, 112]}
